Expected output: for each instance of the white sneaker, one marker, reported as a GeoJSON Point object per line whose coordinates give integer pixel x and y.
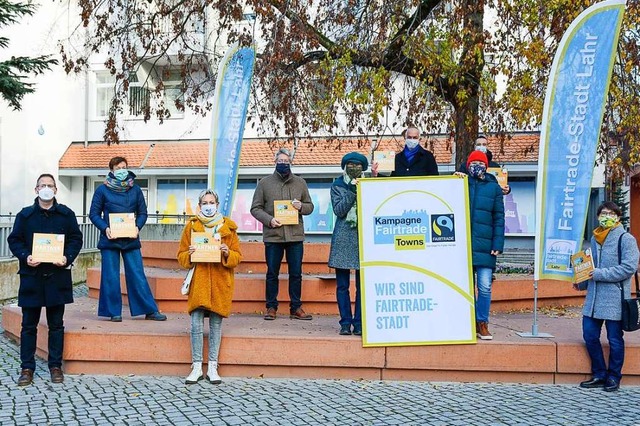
{"type": "Point", "coordinates": [196, 374]}
{"type": "Point", "coordinates": [212, 374]}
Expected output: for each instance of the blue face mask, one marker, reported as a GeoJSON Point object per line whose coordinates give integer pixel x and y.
{"type": "Point", "coordinates": [121, 174]}
{"type": "Point", "coordinates": [477, 170]}
{"type": "Point", "coordinates": [481, 148]}
{"type": "Point", "coordinates": [283, 168]}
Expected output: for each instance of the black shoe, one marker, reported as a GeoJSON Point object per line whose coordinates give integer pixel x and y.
{"type": "Point", "coordinates": [593, 383]}
{"type": "Point", "coordinates": [116, 318]}
{"type": "Point", "coordinates": [357, 330]}
{"type": "Point", "coordinates": [155, 316]}
{"type": "Point", "coordinates": [611, 386]}
{"type": "Point", "coordinates": [345, 330]}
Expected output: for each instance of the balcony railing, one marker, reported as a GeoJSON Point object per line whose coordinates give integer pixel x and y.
{"type": "Point", "coordinates": [155, 229]}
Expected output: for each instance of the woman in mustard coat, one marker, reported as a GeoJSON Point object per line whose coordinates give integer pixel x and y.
{"type": "Point", "coordinates": [211, 288]}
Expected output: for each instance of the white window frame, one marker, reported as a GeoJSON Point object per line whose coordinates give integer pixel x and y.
{"type": "Point", "coordinates": [103, 86]}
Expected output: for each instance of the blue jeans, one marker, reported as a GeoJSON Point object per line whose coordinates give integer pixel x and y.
{"type": "Point", "coordinates": [484, 278]}
{"type": "Point", "coordinates": [591, 328]}
{"type": "Point", "coordinates": [29, 335]}
{"type": "Point", "coordinates": [138, 292]}
{"type": "Point", "coordinates": [343, 278]}
{"type": "Point", "coordinates": [215, 335]}
{"type": "Point", "coordinates": [273, 253]}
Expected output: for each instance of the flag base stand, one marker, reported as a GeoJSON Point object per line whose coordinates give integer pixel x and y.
{"type": "Point", "coordinates": [534, 328]}
{"type": "Point", "coordinates": [527, 335]}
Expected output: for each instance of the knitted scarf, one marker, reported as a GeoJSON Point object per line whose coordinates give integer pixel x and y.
{"type": "Point", "coordinates": [118, 185]}
{"type": "Point", "coordinates": [600, 233]}
{"type": "Point", "coordinates": [352, 215]}
{"type": "Point", "coordinates": [214, 222]}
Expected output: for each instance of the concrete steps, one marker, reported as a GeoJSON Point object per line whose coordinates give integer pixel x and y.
{"type": "Point", "coordinates": [526, 257]}
{"type": "Point", "coordinates": [252, 347]}
{"type": "Point", "coordinates": [313, 349]}
{"type": "Point", "coordinates": [319, 292]}
{"type": "Point", "coordinates": [162, 254]}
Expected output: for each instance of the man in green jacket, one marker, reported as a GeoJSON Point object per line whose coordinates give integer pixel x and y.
{"type": "Point", "coordinates": [282, 186]}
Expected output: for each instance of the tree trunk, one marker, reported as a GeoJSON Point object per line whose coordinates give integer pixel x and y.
{"type": "Point", "coordinates": [466, 100]}
{"type": "Point", "coordinates": [466, 122]}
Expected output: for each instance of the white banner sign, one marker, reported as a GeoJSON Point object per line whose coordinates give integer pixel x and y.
{"type": "Point", "coordinates": [415, 261]}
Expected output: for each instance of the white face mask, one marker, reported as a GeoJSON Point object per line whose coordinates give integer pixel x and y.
{"type": "Point", "coordinates": [411, 143]}
{"type": "Point", "coordinates": [46, 194]}
{"type": "Point", "coordinates": [481, 148]}
{"type": "Point", "coordinates": [209, 209]}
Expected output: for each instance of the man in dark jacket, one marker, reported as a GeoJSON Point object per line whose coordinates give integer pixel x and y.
{"type": "Point", "coordinates": [44, 284]}
{"type": "Point", "coordinates": [486, 210]}
{"type": "Point", "coordinates": [413, 160]}
{"type": "Point", "coordinates": [481, 145]}
{"type": "Point", "coordinates": [278, 238]}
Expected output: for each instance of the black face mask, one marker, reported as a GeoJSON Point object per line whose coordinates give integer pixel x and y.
{"type": "Point", "coordinates": [354, 171]}
{"type": "Point", "coordinates": [283, 168]}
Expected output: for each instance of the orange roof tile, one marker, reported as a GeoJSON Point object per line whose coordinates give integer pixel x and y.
{"type": "Point", "coordinates": [516, 148]}
{"type": "Point", "coordinates": [259, 152]}
{"type": "Point", "coordinates": [97, 156]}
{"type": "Point", "coordinates": [178, 154]}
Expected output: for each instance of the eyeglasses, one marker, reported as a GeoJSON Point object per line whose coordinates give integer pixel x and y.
{"type": "Point", "coordinates": [608, 214]}
{"type": "Point", "coordinates": [45, 185]}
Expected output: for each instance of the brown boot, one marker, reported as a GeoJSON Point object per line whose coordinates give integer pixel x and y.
{"type": "Point", "coordinates": [56, 375]}
{"type": "Point", "coordinates": [26, 377]}
{"type": "Point", "coordinates": [271, 314]}
{"type": "Point", "coordinates": [300, 314]}
{"type": "Point", "coordinates": [483, 331]}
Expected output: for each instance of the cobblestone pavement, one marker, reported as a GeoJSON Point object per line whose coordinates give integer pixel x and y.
{"type": "Point", "coordinates": [137, 400]}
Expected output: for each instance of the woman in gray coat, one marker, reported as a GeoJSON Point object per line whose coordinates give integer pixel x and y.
{"type": "Point", "coordinates": [615, 257]}
{"type": "Point", "coordinates": [344, 242]}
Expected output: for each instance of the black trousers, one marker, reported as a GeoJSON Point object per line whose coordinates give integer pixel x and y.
{"type": "Point", "coordinates": [29, 336]}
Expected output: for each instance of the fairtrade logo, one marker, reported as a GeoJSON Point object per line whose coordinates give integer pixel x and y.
{"type": "Point", "coordinates": [442, 228]}
{"type": "Point", "coordinates": [387, 229]}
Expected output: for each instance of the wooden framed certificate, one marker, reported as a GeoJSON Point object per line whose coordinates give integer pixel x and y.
{"type": "Point", "coordinates": [284, 212]}
{"type": "Point", "coordinates": [207, 247]}
{"type": "Point", "coordinates": [386, 160]}
{"type": "Point", "coordinates": [501, 175]}
{"type": "Point", "coordinates": [47, 248]}
{"type": "Point", "coordinates": [123, 225]}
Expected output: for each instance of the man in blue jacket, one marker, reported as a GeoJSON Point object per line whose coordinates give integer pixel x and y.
{"type": "Point", "coordinates": [486, 209]}
{"type": "Point", "coordinates": [44, 284]}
